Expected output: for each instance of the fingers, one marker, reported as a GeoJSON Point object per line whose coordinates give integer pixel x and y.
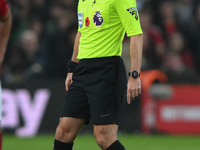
{"type": "Point", "coordinates": [132, 93]}
{"type": "Point", "coordinates": [68, 81]}
{"type": "Point", "coordinates": [67, 84]}
{"type": "Point", "coordinates": [136, 92]}
{"type": "Point", "coordinates": [128, 97]}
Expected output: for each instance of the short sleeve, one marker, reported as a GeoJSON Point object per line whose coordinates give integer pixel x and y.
{"type": "Point", "coordinates": [80, 10]}
{"type": "Point", "coordinates": [128, 13]}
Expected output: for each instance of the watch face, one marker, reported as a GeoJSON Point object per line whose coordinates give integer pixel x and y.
{"type": "Point", "coordinates": [135, 74]}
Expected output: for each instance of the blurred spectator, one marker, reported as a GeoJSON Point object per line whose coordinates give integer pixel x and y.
{"type": "Point", "coordinates": [21, 11]}
{"type": "Point", "coordinates": [26, 59]}
{"type": "Point", "coordinates": [40, 8]}
{"type": "Point", "coordinates": [178, 62]}
{"type": "Point", "coordinates": [60, 39]}
{"type": "Point", "coordinates": [184, 10]}
{"type": "Point", "coordinates": [70, 4]}
{"type": "Point", "coordinates": [154, 46]}
{"type": "Point", "coordinates": [177, 45]}
{"type": "Point", "coordinates": [167, 17]}
{"type": "Point", "coordinates": [140, 4]}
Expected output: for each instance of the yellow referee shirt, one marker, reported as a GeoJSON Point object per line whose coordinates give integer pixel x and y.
{"type": "Point", "coordinates": [103, 24]}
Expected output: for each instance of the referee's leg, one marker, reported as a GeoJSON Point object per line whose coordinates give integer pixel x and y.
{"type": "Point", "coordinates": [106, 137]}
{"type": "Point", "coordinates": [66, 132]}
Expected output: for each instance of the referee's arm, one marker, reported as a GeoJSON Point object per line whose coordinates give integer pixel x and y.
{"type": "Point", "coordinates": [134, 85]}
{"type": "Point", "coordinates": [68, 80]}
{"type": "Point", "coordinates": [76, 45]}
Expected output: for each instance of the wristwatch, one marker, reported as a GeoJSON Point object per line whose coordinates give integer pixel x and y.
{"type": "Point", "coordinates": [134, 74]}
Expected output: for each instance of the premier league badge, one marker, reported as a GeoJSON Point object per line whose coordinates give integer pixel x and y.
{"type": "Point", "coordinates": [80, 19]}
{"type": "Point", "coordinates": [97, 19]}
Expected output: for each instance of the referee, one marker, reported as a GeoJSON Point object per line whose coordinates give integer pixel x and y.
{"type": "Point", "coordinates": [5, 28]}
{"type": "Point", "coordinates": [96, 79]}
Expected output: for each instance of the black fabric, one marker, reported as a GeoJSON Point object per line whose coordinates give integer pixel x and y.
{"type": "Point", "coordinates": [97, 91]}
{"type": "Point", "coordinates": [71, 66]}
{"type": "Point", "coordinates": [58, 145]}
{"type": "Point", "coordinates": [116, 146]}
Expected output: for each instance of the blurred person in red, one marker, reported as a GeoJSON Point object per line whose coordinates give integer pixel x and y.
{"type": "Point", "coordinates": [5, 28]}
{"type": "Point", "coordinates": [177, 45]}
{"type": "Point", "coordinates": [167, 17]}
{"type": "Point", "coordinates": [154, 44]}
{"type": "Point", "coordinates": [178, 62]}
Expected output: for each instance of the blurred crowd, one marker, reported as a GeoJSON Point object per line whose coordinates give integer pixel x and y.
{"type": "Point", "coordinates": [41, 41]}
{"type": "Point", "coordinates": [43, 34]}
{"type": "Point", "coordinates": [171, 38]}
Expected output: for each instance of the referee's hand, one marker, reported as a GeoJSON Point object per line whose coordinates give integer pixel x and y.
{"type": "Point", "coordinates": [68, 81]}
{"type": "Point", "coordinates": [133, 89]}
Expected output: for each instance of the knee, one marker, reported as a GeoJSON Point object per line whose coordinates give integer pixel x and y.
{"type": "Point", "coordinates": [64, 133]}
{"type": "Point", "coordinates": [68, 129]}
{"type": "Point", "coordinates": [61, 130]}
{"type": "Point", "coordinates": [103, 139]}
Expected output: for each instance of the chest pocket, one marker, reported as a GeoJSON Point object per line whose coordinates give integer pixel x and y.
{"type": "Point", "coordinates": [99, 16]}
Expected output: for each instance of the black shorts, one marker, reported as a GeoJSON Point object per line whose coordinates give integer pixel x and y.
{"type": "Point", "coordinates": [97, 91]}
